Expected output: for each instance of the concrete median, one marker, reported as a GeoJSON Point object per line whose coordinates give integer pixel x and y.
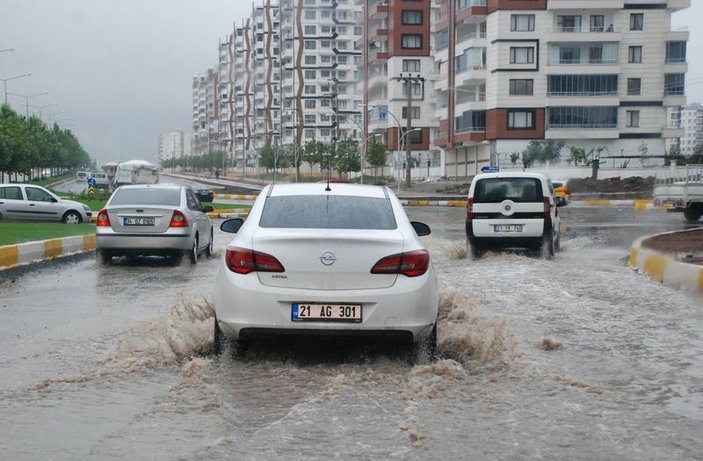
{"type": "Point", "coordinates": [27, 253]}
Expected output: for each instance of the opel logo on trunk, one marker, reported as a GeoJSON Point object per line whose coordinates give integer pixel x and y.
{"type": "Point", "coordinates": [508, 207]}
{"type": "Point", "coordinates": [327, 258]}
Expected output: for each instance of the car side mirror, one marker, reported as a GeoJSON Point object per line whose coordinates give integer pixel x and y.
{"type": "Point", "coordinates": [421, 228]}
{"type": "Point", "coordinates": [208, 209]}
{"type": "Point", "coordinates": [232, 226]}
{"type": "Point", "coordinates": [561, 201]}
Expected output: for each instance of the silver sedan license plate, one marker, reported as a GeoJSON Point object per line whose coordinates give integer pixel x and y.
{"type": "Point", "coordinates": [138, 221]}
{"type": "Point", "coordinates": [507, 228]}
{"type": "Point", "coordinates": [302, 312]}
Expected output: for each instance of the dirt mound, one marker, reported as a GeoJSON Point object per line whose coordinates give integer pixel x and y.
{"type": "Point", "coordinates": [634, 185]}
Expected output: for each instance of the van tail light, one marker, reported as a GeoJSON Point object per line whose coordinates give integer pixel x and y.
{"type": "Point", "coordinates": [410, 264]}
{"type": "Point", "coordinates": [470, 208]}
{"type": "Point", "coordinates": [243, 261]}
{"type": "Point", "coordinates": [103, 219]}
{"type": "Point", "coordinates": [547, 208]}
{"type": "Point", "coordinates": [178, 219]}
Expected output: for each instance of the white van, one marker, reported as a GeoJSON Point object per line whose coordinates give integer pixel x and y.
{"type": "Point", "coordinates": [513, 210]}
{"type": "Point", "coordinates": [81, 176]}
{"type": "Point", "coordinates": [101, 179]}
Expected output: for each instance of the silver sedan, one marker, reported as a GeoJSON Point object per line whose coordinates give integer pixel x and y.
{"type": "Point", "coordinates": [29, 201]}
{"type": "Point", "coordinates": [154, 219]}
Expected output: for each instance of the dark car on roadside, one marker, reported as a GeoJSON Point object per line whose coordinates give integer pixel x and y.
{"type": "Point", "coordinates": [204, 195]}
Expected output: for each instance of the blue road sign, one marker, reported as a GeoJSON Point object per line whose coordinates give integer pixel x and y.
{"type": "Point", "coordinates": [91, 182]}
{"type": "Point", "coordinates": [490, 169]}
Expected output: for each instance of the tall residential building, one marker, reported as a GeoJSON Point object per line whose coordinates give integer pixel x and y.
{"type": "Point", "coordinates": [173, 144]}
{"type": "Point", "coordinates": [206, 109]}
{"type": "Point", "coordinates": [599, 73]}
{"type": "Point", "coordinates": [690, 119]}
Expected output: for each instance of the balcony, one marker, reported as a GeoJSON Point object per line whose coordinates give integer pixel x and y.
{"type": "Point", "coordinates": [553, 5]}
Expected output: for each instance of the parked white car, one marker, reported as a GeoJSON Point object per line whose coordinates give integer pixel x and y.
{"type": "Point", "coordinates": [28, 201]}
{"type": "Point", "coordinates": [513, 210]}
{"type": "Point", "coordinates": [326, 259]}
{"type": "Point", "coordinates": [153, 219]}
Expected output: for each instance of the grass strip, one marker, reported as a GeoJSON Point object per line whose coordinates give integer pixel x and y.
{"type": "Point", "coordinates": [13, 232]}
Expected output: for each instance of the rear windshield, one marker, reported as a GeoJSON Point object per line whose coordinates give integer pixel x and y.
{"type": "Point", "coordinates": [146, 196]}
{"type": "Point", "coordinates": [495, 190]}
{"type": "Point", "coordinates": [328, 212]}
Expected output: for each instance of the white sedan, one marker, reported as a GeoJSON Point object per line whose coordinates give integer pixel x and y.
{"type": "Point", "coordinates": [326, 260]}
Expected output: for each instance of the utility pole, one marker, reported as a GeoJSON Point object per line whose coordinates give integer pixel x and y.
{"type": "Point", "coordinates": [409, 80]}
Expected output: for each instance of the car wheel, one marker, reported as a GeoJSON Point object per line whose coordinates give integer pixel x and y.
{"type": "Point", "coordinates": [103, 257]}
{"type": "Point", "coordinates": [425, 351]}
{"type": "Point", "coordinates": [209, 251]}
{"type": "Point", "coordinates": [692, 214]}
{"type": "Point", "coordinates": [193, 255]}
{"type": "Point", "coordinates": [220, 343]}
{"type": "Point", "coordinates": [71, 217]}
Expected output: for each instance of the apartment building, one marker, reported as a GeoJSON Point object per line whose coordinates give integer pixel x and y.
{"type": "Point", "coordinates": [601, 73]}
{"type": "Point", "coordinates": [173, 144]}
{"type": "Point", "coordinates": [689, 119]}
{"type": "Point", "coordinates": [398, 81]}
{"type": "Point", "coordinates": [206, 108]}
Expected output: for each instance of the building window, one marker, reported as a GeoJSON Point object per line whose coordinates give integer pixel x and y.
{"type": "Point", "coordinates": [634, 86]}
{"type": "Point", "coordinates": [310, 30]}
{"type": "Point", "coordinates": [633, 118]}
{"type": "Point", "coordinates": [583, 117]}
{"type": "Point", "coordinates": [595, 54]}
{"type": "Point", "coordinates": [415, 112]}
{"type": "Point", "coordinates": [521, 119]}
{"type": "Point", "coordinates": [310, 74]}
{"type": "Point", "coordinates": [634, 54]}
{"type": "Point", "coordinates": [441, 40]}
{"type": "Point", "coordinates": [411, 65]}
{"type": "Point", "coordinates": [310, 60]}
{"type": "Point", "coordinates": [310, 89]}
{"type": "Point", "coordinates": [522, 55]}
{"type": "Point", "coordinates": [569, 23]}
{"type": "Point", "coordinates": [675, 52]}
{"type": "Point", "coordinates": [310, 44]}
{"type": "Point", "coordinates": [418, 90]}
{"type": "Point", "coordinates": [310, 103]}
{"type": "Point", "coordinates": [411, 41]}
{"type": "Point", "coordinates": [522, 22]}
{"type": "Point", "coordinates": [674, 84]}
{"type": "Point", "coordinates": [637, 21]}
{"type": "Point", "coordinates": [521, 87]}
{"type": "Point", "coordinates": [597, 23]}
{"type": "Point", "coordinates": [414, 137]}
{"type": "Point", "coordinates": [310, 13]}
{"type": "Point", "coordinates": [411, 17]}
{"type": "Point", "coordinates": [569, 55]}
{"type": "Point", "coordinates": [310, 119]}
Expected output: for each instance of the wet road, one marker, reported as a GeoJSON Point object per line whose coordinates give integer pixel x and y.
{"type": "Point", "coordinates": [576, 358]}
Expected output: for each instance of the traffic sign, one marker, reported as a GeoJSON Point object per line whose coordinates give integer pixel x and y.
{"type": "Point", "coordinates": [91, 182]}
{"type": "Point", "coordinates": [490, 169]}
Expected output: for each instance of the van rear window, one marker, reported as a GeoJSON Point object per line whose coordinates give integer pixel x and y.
{"type": "Point", "coordinates": [495, 190]}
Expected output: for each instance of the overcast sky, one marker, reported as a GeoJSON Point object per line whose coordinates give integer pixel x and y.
{"type": "Point", "coordinates": [121, 70]}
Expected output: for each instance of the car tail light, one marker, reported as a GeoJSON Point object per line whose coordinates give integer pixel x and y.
{"type": "Point", "coordinates": [547, 208]}
{"type": "Point", "coordinates": [410, 264]}
{"type": "Point", "coordinates": [470, 208]}
{"type": "Point", "coordinates": [243, 261]}
{"type": "Point", "coordinates": [178, 219]}
{"type": "Point", "coordinates": [103, 218]}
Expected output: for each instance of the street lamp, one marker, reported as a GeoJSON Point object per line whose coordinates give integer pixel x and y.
{"type": "Point", "coordinates": [48, 116]}
{"type": "Point", "coordinates": [407, 159]}
{"type": "Point", "coordinates": [386, 111]}
{"type": "Point", "coordinates": [27, 98]}
{"type": "Point", "coordinates": [7, 49]}
{"type": "Point", "coordinates": [43, 107]}
{"type": "Point", "coordinates": [5, 80]}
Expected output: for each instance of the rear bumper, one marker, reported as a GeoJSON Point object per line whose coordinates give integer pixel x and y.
{"type": "Point", "coordinates": [406, 311]}
{"type": "Point", "coordinates": [484, 228]}
{"type": "Point", "coordinates": [151, 244]}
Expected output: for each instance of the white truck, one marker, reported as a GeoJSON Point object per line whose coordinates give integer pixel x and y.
{"type": "Point", "coordinates": [136, 172]}
{"type": "Point", "coordinates": [681, 189]}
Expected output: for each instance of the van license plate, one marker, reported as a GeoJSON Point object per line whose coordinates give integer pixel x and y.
{"type": "Point", "coordinates": [326, 312]}
{"type": "Point", "coordinates": [507, 228]}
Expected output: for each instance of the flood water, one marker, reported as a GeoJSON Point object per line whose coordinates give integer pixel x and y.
{"type": "Point", "coordinates": [575, 358]}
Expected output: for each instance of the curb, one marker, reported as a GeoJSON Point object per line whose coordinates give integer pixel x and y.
{"type": "Point", "coordinates": [638, 204]}
{"type": "Point", "coordinates": [664, 269]}
{"type": "Point", "coordinates": [235, 196]}
{"type": "Point", "coordinates": [228, 214]}
{"type": "Point", "coordinates": [26, 253]}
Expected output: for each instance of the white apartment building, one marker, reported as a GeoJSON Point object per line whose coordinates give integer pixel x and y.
{"type": "Point", "coordinates": [206, 131]}
{"type": "Point", "coordinates": [600, 73]}
{"type": "Point", "coordinates": [690, 119]}
{"type": "Point", "coordinates": [173, 144]}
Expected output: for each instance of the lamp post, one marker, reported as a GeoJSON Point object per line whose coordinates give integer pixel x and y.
{"type": "Point", "coordinates": [27, 98]}
{"type": "Point", "coordinates": [386, 111]}
{"type": "Point", "coordinates": [48, 116]}
{"type": "Point", "coordinates": [5, 80]}
{"type": "Point", "coordinates": [43, 107]}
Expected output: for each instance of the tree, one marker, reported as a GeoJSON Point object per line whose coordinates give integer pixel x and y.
{"type": "Point", "coordinates": [266, 157]}
{"type": "Point", "coordinates": [376, 155]}
{"type": "Point", "coordinates": [577, 155]}
{"type": "Point", "coordinates": [544, 151]}
{"type": "Point", "coordinates": [347, 157]}
{"type": "Point", "coordinates": [313, 153]}
{"type": "Point", "coordinates": [514, 157]}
